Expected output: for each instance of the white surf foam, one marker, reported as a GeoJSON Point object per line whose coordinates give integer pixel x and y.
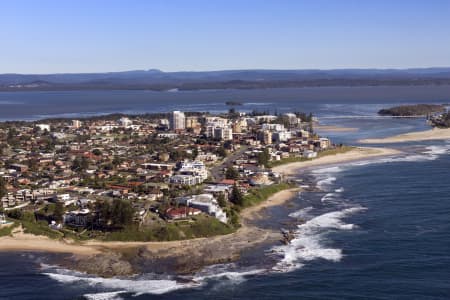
{"type": "Point", "coordinates": [339, 190]}
{"type": "Point", "coordinates": [308, 243]}
{"type": "Point", "coordinates": [327, 170]}
{"type": "Point", "coordinates": [104, 296]}
{"type": "Point", "coordinates": [232, 274]}
{"type": "Point", "coordinates": [328, 197]}
{"type": "Point", "coordinates": [136, 286]}
{"type": "Point", "coordinates": [326, 181]}
{"type": "Point", "coordinates": [111, 288]}
{"type": "Point", "coordinates": [302, 213]}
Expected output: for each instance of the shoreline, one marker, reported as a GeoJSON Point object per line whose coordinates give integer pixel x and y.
{"type": "Point", "coordinates": [332, 128]}
{"type": "Point", "coordinates": [427, 135]}
{"type": "Point", "coordinates": [109, 259]}
{"type": "Point", "coordinates": [356, 154]}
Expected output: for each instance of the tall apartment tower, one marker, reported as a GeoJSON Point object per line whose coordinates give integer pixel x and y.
{"type": "Point", "coordinates": [177, 120]}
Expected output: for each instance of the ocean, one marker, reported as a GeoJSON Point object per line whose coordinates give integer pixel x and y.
{"type": "Point", "coordinates": [378, 229]}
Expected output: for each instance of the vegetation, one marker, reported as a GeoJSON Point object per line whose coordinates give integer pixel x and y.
{"type": "Point", "coordinates": [236, 196]}
{"type": "Point", "coordinates": [412, 110]}
{"type": "Point", "coordinates": [264, 157]}
{"type": "Point", "coordinates": [115, 215]}
{"type": "Point", "coordinates": [231, 173]}
{"type": "Point", "coordinates": [200, 226]}
{"type": "Point", "coordinates": [2, 187]}
{"type": "Point", "coordinates": [256, 196]}
{"type": "Point", "coordinates": [443, 121]}
{"type": "Point", "coordinates": [30, 225]}
{"type": "Point", "coordinates": [7, 230]}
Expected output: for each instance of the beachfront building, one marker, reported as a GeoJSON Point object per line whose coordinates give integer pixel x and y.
{"type": "Point", "coordinates": [206, 203]}
{"type": "Point", "coordinates": [77, 218]}
{"type": "Point", "coordinates": [177, 120]}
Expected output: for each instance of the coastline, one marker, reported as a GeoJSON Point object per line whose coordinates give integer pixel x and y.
{"type": "Point", "coordinates": [127, 258]}
{"type": "Point", "coordinates": [427, 135]}
{"type": "Point", "coordinates": [352, 155]}
{"type": "Point", "coordinates": [109, 259]}
{"type": "Point", "coordinates": [332, 128]}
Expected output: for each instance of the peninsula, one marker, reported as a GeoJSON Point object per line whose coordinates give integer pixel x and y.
{"type": "Point", "coordinates": [119, 190]}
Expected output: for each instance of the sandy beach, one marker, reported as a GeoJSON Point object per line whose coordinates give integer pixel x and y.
{"type": "Point", "coordinates": [428, 135]}
{"type": "Point", "coordinates": [352, 155]}
{"type": "Point", "coordinates": [331, 128]}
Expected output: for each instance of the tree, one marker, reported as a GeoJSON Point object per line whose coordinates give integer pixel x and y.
{"type": "Point", "coordinates": [58, 212]}
{"type": "Point", "coordinates": [122, 213]}
{"type": "Point", "coordinates": [264, 157]}
{"type": "Point", "coordinates": [3, 190]}
{"type": "Point", "coordinates": [97, 152]}
{"type": "Point", "coordinates": [221, 200]}
{"type": "Point", "coordinates": [231, 173]}
{"type": "Point", "coordinates": [236, 196]}
{"type": "Point", "coordinates": [80, 164]}
{"type": "Point", "coordinates": [222, 152]}
{"type": "Point", "coordinates": [311, 123]}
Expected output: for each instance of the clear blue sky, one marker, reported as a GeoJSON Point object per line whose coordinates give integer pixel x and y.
{"type": "Point", "coordinates": [107, 35]}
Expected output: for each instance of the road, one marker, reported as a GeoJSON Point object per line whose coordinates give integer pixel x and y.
{"type": "Point", "coordinates": [216, 171]}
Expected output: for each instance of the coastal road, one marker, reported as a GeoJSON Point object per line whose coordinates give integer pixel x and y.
{"type": "Point", "coordinates": [216, 171]}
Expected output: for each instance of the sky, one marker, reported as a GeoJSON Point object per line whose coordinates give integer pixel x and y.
{"type": "Point", "coordinates": [69, 36]}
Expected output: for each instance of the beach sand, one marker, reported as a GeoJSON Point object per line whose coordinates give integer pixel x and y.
{"type": "Point", "coordinates": [358, 153]}
{"type": "Point", "coordinates": [331, 128]}
{"type": "Point", "coordinates": [428, 135]}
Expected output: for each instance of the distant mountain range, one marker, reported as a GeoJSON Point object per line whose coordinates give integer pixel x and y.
{"type": "Point", "coordinates": [232, 79]}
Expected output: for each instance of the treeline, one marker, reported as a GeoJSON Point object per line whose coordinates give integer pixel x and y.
{"type": "Point", "coordinates": [412, 110]}
{"type": "Point", "coordinates": [231, 84]}
{"type": "Point", "coordinates": [443, 121]}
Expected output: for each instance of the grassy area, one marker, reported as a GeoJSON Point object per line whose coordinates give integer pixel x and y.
{"type": "Point", "coordinates": [31, 226]}
{"type": "Point", "coordinates": [40, 228]}
{"type": "Point", "coordinates": [293, 159]}
{"type": "Point", "coordinates": [7, 230]}
{"type": "Point", "coordinates": [257, 195]}
{"type": "Point", "coordinates": [201, 226]}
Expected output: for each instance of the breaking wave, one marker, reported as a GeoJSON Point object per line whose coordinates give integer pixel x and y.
{"type": "Point", "coordinates": [302, 213]}
{"type": "Point", "coordinates": [112, 288]}
{"type": "Point", "coordinates": [309, 241]}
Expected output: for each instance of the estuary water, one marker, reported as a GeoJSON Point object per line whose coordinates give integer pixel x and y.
{"type": "Point", "coordinates": [378, 229]}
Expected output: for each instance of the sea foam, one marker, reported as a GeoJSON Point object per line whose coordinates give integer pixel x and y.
{"type": "Point", "coordinates": [309, 240]}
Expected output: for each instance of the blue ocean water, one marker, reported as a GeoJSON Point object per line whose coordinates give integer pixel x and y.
{"type": "Point", "coordinates": [379, 229]}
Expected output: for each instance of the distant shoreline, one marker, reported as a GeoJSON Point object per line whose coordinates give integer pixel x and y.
{"type": "Point", "coordinates": [358, 153]}
{"type": "Point", "coordinates": [427, 135]}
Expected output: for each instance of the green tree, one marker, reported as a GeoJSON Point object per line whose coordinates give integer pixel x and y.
{"type": "Point", "coordinates": [3, 190]}
{"type": "Point", "coordinates": [231, 173]}
{"type": "Point", "coordinates": [58, 212]}
{"type": "Point", "coordinates": [97, 152]}
{"type": "Point", "coordinates": [221, 200]}
{"type": "Point", "coordinates": [222, 152]}
{"type": "Point", "coordinates": [264, 157]}
{"type": "Point", "coordinates": [236, 196]}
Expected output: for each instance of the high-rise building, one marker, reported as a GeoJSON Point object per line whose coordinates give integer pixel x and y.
{"type": "Point", "coordinates": [192, 122]}
{"type": "Point", "coordinates": [177, 120]}
{"type": "Point", "coordinates": [76, 124]}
